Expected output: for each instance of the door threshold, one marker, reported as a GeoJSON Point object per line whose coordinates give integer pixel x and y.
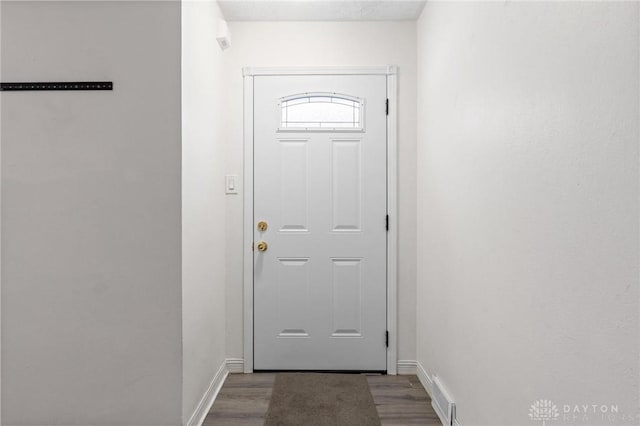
{"type": "Point", "coordinates": [365, 372]}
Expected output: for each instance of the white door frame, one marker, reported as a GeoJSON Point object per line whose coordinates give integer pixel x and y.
{"type": "Point", "coordinates": [392, 198]}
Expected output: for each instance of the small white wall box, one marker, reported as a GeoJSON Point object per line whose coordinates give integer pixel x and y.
{"type": "Point", "coordinates": [442, 403]}
{"type": "Point", "coordinates": [222, 35]}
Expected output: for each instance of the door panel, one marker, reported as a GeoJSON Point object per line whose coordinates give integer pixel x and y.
{"type": "Point", "coordinates": [346, 185]}
{"type": "Point", "coordinates": [346, 298]}
{"type": "Point", "coordinates": [294, 168]}
{"type": "Point", "coordinates": [320, 286]}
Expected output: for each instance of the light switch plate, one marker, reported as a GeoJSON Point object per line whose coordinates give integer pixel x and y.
{"type": "Point", "coordinates": [231, 184]}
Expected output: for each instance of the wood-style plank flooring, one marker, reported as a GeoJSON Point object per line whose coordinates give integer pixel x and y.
{"type": "Point", "coordinates": [244, 400]}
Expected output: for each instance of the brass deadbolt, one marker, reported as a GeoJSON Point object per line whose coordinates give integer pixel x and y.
{"type": "Point", "coordinates": [262, 226]}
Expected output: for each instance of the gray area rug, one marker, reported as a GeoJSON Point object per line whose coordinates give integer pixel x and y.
{"type": "Point", "coordinates": [319, 399]}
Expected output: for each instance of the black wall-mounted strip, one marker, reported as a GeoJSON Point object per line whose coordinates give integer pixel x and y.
{"type": "Point", "coordinates": [63, 85]}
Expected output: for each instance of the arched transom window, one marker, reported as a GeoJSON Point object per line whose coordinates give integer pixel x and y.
{"type": "Point", "coordinates": [321, 112]}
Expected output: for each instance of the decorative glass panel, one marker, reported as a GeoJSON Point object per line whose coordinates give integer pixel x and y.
{"type": "Point", "coordinates": [321, 112]}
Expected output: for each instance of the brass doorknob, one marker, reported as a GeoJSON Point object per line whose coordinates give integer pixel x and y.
{"type": "Point", "coordinates": [262, 226]}
{"type": "Point", "coordinates": [262, 246]}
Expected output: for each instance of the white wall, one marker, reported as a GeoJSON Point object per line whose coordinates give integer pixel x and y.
{"type": "Point", "coordinates": [324, 44]}
{"type": "Point", "coordinates": [528, 204]}
{"type": "Point", "coordinates": [203, 211]}
{"type": "Point", "coordinates": [91, 215]}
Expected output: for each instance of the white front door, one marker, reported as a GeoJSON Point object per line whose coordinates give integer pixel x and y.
{"type": "Point", "coordinates": [320, 187]}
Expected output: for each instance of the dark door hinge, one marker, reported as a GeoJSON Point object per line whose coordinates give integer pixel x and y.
{"type": "Point", "coordinates": [386, 338]}
{"type": "Point", "coordinates": [387, 222]}
{"type": "Point", "coordinates": [387, 106]}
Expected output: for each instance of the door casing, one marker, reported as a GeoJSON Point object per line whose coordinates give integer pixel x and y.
{"type": "Point", "coordinates": [392, 200]}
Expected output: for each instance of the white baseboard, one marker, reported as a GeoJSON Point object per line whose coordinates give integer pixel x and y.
{"type": "Point", "coordinates": [235, 365]}
{"type": "Point", "coordinates": [201, 411]}
{"type": "Point", "coordinates": [425, 379]}
{"type": "Point", "coordinates": [407, 367]}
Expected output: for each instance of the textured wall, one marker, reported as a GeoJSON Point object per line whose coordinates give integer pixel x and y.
{"type": "Point", "coordinates": [203, 200]}
{"type": "Point", "coordinates": [91, 215]}
{"type": "Point", "coordinates": [528, 245]}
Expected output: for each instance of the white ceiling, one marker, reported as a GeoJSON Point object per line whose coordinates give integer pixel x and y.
{"type": "Point", "coordinates": [321, 10]}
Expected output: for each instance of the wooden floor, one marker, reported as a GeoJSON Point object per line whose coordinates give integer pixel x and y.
{"type": "Point", "coordinates": [244, 400]}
